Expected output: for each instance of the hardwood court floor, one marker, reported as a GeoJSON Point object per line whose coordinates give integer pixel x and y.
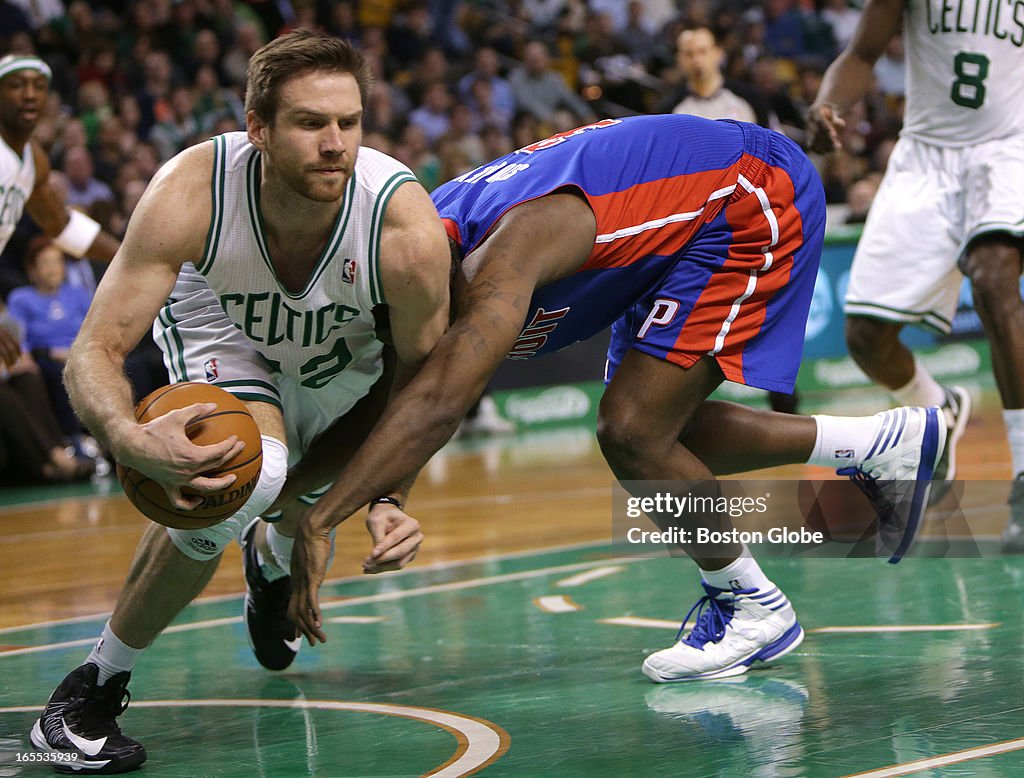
{"type": "Point", "coordinates": [508, 648]}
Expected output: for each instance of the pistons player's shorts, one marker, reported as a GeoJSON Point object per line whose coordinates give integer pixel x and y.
{"type": "Point", "coordinates": [200, 343]}
{"type": "Point", "coordinates": [933, 201]}
{"type": "Point", "coordinates": [742, 287]}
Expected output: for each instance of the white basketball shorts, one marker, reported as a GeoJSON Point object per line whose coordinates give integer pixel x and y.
{"type": "Point", "coordinates": [932, 202]}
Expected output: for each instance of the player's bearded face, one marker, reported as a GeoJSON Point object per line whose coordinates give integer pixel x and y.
{"type": "Point", "coordinates": [312, 145]}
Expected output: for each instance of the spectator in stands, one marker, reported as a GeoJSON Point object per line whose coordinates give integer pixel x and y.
{"type": "Point", "coordinates": [526, 129]}
{"type": "Point", "coordinates": [206, 53]}
{"type": "Point", "coordinates": [433, 114]}
{"type": "Point", "coordinates": [605, 63]}
{"type": "Point", "coordinates": [31, 445]}
{"type": "Point", "coordinates": [180, 129]}
{"type": "Point", "coordinates": [214, 102]}
{"type": "Point", "coordinates": [414, 151]}
{"type": "Point", "coordinates": [343, 22]}
{"type": "Point", "coordinates": [483, 108]}
{"type": "Point", "coordinates": [859, 197]}
{"type": "Point", "coordinates": [497, 142]}
{"type": "Point", "coordinates": [783, 113]}
{"type": "Point", "coordinates": [842, 17]}
{"type": "Point", "coordinates": [411, 34]}
{"type": "Point", "coordinates": [108, 150]}
{"type": "Point", "coordinates": [146, 160]}
{"type": "Point", "coordinates": [248, 38]}
{"type": "Point", "coordinates": [487, 67]}
{"type": "Point", "coordinates": [462, 134]}
{"type": "Point", "coordinates": [432, 67]}
{"type": "Point", "coordinates": [93, 107]}
{"type": "Point", "coordinates": [50, 312]}
{"type": "Point", "coordinates": [639, 34]}
{"type": "Point", "coordinates": [155, 91]}
{"type": "Point", "coordinates": [543, 13]}
{"type": "Point", "coordinates": [784, 29]}
{"type": "Point", "coordinates": [541, 91]}
{"type": "Point", "coordinates": [85, 191]}
{"type": "Point", "coordinates": [706, 92]}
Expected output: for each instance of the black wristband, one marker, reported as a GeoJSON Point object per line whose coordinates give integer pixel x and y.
{"type": "Point", "coordinates": [389, 500]}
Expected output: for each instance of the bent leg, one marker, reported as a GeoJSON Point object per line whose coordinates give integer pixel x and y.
{"type": "Point", "coordinates": [640, 441]}
{"type": "Point", "coordinates": [732, 438]}
{"type": "Point", "coordinates": [875, 346]}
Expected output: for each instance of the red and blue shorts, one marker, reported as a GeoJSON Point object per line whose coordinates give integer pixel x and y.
{"type": "Point", "coordinates": [741, 288]}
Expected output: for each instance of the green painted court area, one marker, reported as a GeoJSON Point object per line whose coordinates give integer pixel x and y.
{"type": "Point", "coordinates": [511, 664]}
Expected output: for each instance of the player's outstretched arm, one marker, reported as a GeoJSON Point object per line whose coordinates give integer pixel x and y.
{"type": "Point", "coordinates": [416, 277]}
{"type": "Point", "coordinates": [849, 77]}
{"type": "Point", "coordinates": [167, 229]}
{"type": "Point", "coordinates": [534, 244]}
{"type": "Point", "coordinates": [75, 233]}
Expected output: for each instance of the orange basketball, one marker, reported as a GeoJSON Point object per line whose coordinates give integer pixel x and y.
{"type": "Point", "coordinates": [230, 418]}
{"type": "Point", "coordinates": [838, 509]}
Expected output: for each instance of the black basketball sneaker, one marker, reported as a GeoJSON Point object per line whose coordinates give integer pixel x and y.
{"type": "Point", "coordinates": [271, 634]}
{"type": "Point", "coordinates": [79, 723]}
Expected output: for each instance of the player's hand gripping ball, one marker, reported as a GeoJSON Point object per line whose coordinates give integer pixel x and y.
{"type": "Point", "coordinates": [230, 418]}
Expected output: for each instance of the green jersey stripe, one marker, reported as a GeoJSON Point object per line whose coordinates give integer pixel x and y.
{"type": "Point", "coordinates": [376, 230]}
{"type": "Point", "coordinates": [216, 204]}
{"type": "Point", "coordinates": [175, 348]}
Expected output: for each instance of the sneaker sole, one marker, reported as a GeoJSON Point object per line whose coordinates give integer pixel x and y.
{"type": "Point", "coordinates": [931, 449]}
{"type": "Point", "coordinates": [775, 650]}
{"type": "Point", "coordinates": [82, 764]}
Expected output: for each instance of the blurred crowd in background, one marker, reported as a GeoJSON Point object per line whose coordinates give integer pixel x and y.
{"type": "Point", "coordinates": [458, 82]}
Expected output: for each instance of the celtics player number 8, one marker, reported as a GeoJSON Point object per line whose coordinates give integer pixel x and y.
{"type": "Point", "coordinates": [971, 70]}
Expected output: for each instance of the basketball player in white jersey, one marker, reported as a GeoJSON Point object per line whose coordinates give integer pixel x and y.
{"type": "Point", "coordinates": [261, 256]}
{"type": "Point", "coordinates": [951, 203]}
{"type": "Point", "coordinates": [25, 169]}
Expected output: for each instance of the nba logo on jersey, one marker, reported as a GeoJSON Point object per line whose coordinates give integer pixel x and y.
{"type": "Point", "coordinates": [211, 370]}
{"type": "Point", "coordinates": [348, 271]}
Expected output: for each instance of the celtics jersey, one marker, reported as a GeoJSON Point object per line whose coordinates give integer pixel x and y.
{"type": "Point", "coordinates": [965, 70]}
{"type": "Point", "coordinates": [17, 179]}
{"type": "Point", "coordinates": [326, 328]}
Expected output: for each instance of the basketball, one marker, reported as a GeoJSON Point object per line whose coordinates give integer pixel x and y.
{"type": "Point", "coordinates": [230, 418]}
{"type": "Point", "coordinates": [838, 509]}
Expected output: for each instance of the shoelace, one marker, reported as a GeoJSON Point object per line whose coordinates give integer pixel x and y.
{"type": "Point", "coordinates": [713, 615]}
{"type": "Point", "coordinates": [868, 484]}
{"type": "Point", "coordinates": [99, 711]}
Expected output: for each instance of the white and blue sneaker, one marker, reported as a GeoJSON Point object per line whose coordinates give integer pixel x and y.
{"type": "Point", "coordinates": [733, 629]}
{"type": "Point", "coordinates": [897, 471]}
{"type": "Point", "coordinates": [957, 411]}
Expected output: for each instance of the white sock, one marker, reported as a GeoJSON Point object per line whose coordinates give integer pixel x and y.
{"type": "Point", "coordinates": [1014, 420]}
{"type": "Point", "coordinates": [922, 389]}
{"type": "Point", "coordinates": [112, 656]}
{"type": "Point", "coordinates": [743, 573]}
{"type": "Point", "coordinates": [842, 440]}
{"type": "Point", "coordinates": [281, 549]}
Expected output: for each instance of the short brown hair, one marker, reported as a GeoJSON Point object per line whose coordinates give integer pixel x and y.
{"type": "Point", "coordinates": [35, 247]}
{"type": "Point", "coordinates": [297, 53]}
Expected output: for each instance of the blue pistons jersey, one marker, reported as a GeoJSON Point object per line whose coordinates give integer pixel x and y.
{"type": "Point", "coordinates": [674, 197]}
